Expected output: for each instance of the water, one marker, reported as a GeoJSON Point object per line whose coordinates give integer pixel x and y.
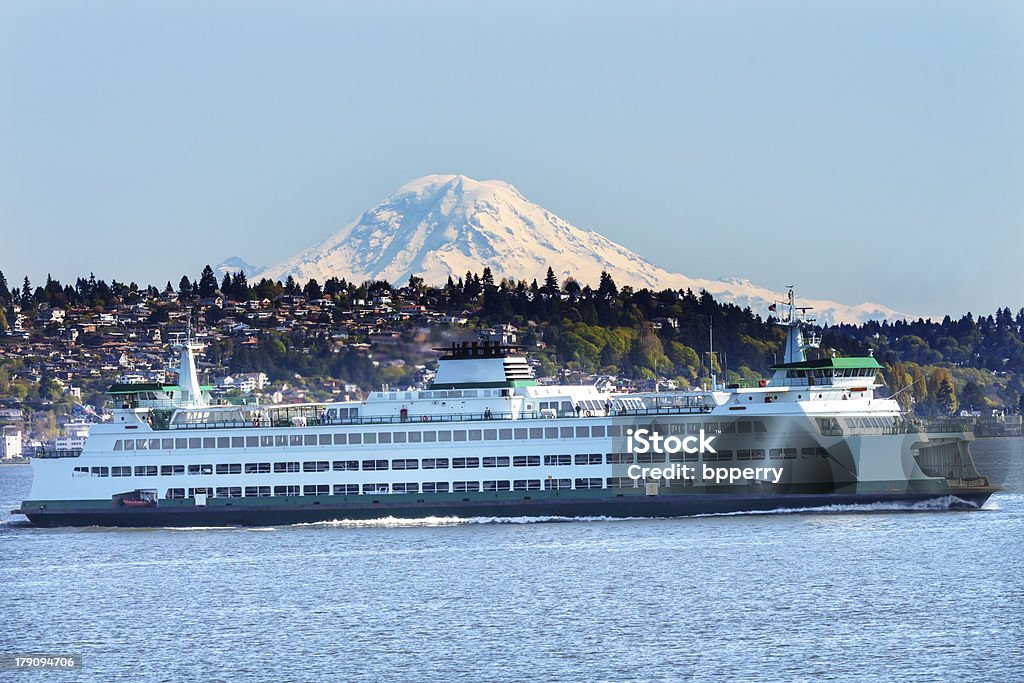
{"type": "Point", "coordinates": [773, 597]}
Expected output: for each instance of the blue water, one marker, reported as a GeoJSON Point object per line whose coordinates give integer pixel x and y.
{"type": "Point", "coordinates": [875, 596]}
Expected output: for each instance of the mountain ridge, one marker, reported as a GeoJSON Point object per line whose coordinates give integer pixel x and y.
{"type": "Point", "coordinates": [438, 226]}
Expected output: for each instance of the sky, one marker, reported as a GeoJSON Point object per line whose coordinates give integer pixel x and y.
{"type": "Point", "coordinates": [864, 151]}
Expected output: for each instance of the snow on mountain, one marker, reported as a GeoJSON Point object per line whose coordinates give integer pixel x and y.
{"type": "Point", "coordinates": [442, 225]}
{"type": "Point", "coordinates": [232, 265]}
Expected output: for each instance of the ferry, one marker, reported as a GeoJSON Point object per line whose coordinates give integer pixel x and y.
{"type": "Point", "coordinates": [486, 440]}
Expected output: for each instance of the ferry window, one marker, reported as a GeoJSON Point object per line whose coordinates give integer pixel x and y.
{"type": "Point", "coordinates": [369, 437]}
{"type": "Point", "coordinates": [556, 484]}
{"type": "Point", "coordinates": [551, 432]}
{"type": "Point", "coordinates": [566, 432]}
{"type": "Point", "coordinates": [295, 440]}
{"type": "Point", "coordinates": [257, 468]}
{"type": "Point", "coordinates": [175, 470]}
{"type": "Point", "coordinates": [467, 486]}
{"type": "Point", "coordinates": [375, 488]}
{"type": "Point", "coordinates": [503, 434]}
{"type": "Point", "coordinates": [415, 437]}
{"type": "Point", "coordinates": [410, 464]}
{"type": "Point", "coordinates": [167, 444]}
{"type": "Point", "coordinates": [722, 455]}
{"type": "Point", "coordinates": [229, 491]}
{"type": "Point", "coordinates": [775, 454]}
{"type": "Point", "coordinates": [492, 434]}
{"type": "Point", "coordinates": [399, 437]}
{"type": "Point", "coordinates": [492, 461]}
{"type": "Point", "coordinates": [200, 491]}
{"type": "Point", "coordinates": [594, 483]}
{"type": "Point", "coordinates": [80, 470]}
{"type": "Point", "coordinates": [200, 469]}
{"type": "Point", "coordinates": [281, 440]}
{"type": "Point", "coordinates": [567, 407]}
{"type": "Point", "coordinates": [693, 427]}
{"type": "Point", "coordinates": [728, 427]}
{"type": "Point", "coordinates": [807, 452]}
{"type": "Point", "coordinates": [405, 488]}
{"type": "Point", "coordinates": [588, 458]}
{"type": "Point", "coordinates": [374, 465]}
{"type": "Point", "coordinates": [339, 439]}
{"type": "Point", "coordinates": [257, 491]}
{"type": "Point", "coordinates": [435, 463]}
{"type": "Point", "coordinates": [536, 432]}
{"type": "Point", "coordinates": [208, 442]}
{"type": "Point", "coordinates": [266, 441]}
{"type": "Point", "coordinates": [429, 437]}
{"type": "Point", "coordinates": [759, 427]}
{"type": "Point", "coordinates": [743, 454]}
{"type": "Point", "coordinates": [290, 490]}
{"type": "Point", "coordinates": [435, 487]}
{"type": "Point", "coordinates": [526, 485]}
{"type": "Point", "coordinates": [757, 454]}
{"type": "Point", "coordinates": [384, 437]}
{"type": "Point", "coordinates": [614, 430]}
{"type": "Point", "coordinates": [145, 470]}
{"type": "Point", "coordinates": [229, 468]}
{"type": "Point", "coordinates": [474, 435]}
{"type": "Point", "coordinates": [354, 439]}
{"type": "Point", "coordinates": [464, 463]}
{"type": "Point", "coordinates": [564, 459]}
{"type": "Point", "coordinates": [710, 427]}
{"type": "Point", "coordinates": [286, 467]}
{"type": "Point", "coordinates": [520, 433]}
{"type": "Point", "coordinates": [789, 453]}
{"type": "Point", "coordinates": [346, 489]}
{"type": "Point", "coordinates": [175, 493]}
{"type": "Point", "coordinates": [744, 427]}
{"type": "Point", "coordinates": [650, 457]}
{"type": "Point", "coordinates": [526, 461]}
{"type": "Point", "coordinates": [316, 490]}
{"type": "Point", "coordinates": [459, 434]}
{"type": "Point", "coordinates": [582, 432]}
{"type": "Point", "coordinates": [119, 471]}
{"type": "Point", "coordinates": [345, 465]}
{"type": "Point", "coordinates": [154, 444]}
{"type": "Point", "coordinates": [236, 442]}
{"type": "Point", "coordinates": [444, 435]}
{"type": "Point", "coordinates": [117, 445]}
{"type": "Point", "coordinates": [619, 483]}
{"type": "Point", "coordinates": [618, 458]}
{"type": "Point", "coordinates": [315, 466]}
{"type": "Point", "coordinates": [252, 442]}
{"type": "Point", "coordinates": [497, 486]}
{"type": "Point", "coordinates": [597, 431]}
{"type": "Point", "coordinates": [223, 442]}
{"type": "Point", "coordinates": [195, 443]}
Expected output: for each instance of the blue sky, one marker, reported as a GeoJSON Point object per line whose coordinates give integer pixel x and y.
{"type": "Point", "coordinates": [863, 150]}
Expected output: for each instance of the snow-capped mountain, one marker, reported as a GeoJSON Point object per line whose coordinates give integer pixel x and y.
{"type": "Point", "coordinates": [442, 225]}
{"type": "Point", "coordinates": [232, 265]}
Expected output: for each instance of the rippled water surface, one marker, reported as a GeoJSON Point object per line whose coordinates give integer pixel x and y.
{"type": "Point", "coordinates": [882, 595]}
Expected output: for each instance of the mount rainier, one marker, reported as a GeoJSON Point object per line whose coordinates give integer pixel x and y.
{"type": "Point", "coordinates": [442, 225]}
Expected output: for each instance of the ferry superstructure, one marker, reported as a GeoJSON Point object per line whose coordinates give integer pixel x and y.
{"type": "Point", "coordinates": [486, 440]}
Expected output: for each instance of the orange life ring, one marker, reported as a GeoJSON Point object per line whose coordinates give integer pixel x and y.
{"type": "Point", "coordinates": [762, 382]}
{"type": "Point", "coordinates": [424, 418]}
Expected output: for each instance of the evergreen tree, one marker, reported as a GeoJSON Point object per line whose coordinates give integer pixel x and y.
{"type": "Point", "coordinates": [291, 288]}
{"type": "Point", "coordinates": [550, 283]}
{"type": "Point", "coordinates": [184, 288]}
{"type": "Point", "coordinates": [207, 283]}
{"type": "Point", "coordinates": [5, 294]}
